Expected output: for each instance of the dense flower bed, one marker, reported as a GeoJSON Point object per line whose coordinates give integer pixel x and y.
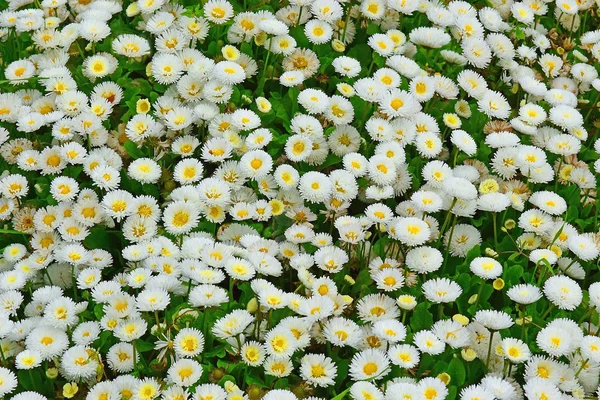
{"type": "Point", "coordinates": [306, 199]}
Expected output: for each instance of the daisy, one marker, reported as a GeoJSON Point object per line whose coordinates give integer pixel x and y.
{"type": "Point", "coordinates": [318, 370]}
{"type": "Point", "coordinates": [185, 372]}
{"type": "Point", "coordinates": [180, 217]}
{"type": "Point", "coordinates": [441, 290]}
{"type": "Point", "coordinates": [563, 292]}
{"type": "Point", "coordinates": [131, 46]}
{"type": "Point", "coordinates": [371, 364]}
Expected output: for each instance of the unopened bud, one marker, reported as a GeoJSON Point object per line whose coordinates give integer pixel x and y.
{"type": "Point", "coordinates": [338, 45]}
{"type": "Point", "coordinates": [252, 305]}
{"type": "Point", "coordinates": [444, 377]}
{"type": "Point", "coordinates": [498, 284]}
{"type": "Point", "coordinates": [510, 224]}
{"type": "Point", "coordinates": [52, 373]}
{"type": "Point", "coordinates": [468, 354]}
{"type": "Point", "coordinates": [461, 319]}
{"type": "Point", "coordinates": [472, 299]}
{"type": "Point", "coordinates": [491, 252]}
{"type": "Point", "coordinates": [133, 9]}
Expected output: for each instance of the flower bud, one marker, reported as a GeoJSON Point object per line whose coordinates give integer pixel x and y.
{"type": "Point", "coordinates": [468, 354]}
{"type": "Point", "coordinates": [264, 105]}
{"type": "Point", "coordinates": [142, 106]}
{"type": "Point", "coordinates": [472, 299]}
{"type": "Point", "coordinates": [510, 224]}
{"type": "Point", "coordinates": [252, 305]}
{"type": "Point", "coordinates": [461, 319]}
{"type": "Point", "coordinates": [444, 377]}
{"type": "Point", "coordinates": [498, 284]}
{"type": "Point", "coordinates": [491, 252]}
{"type": "Point", "coordinates": [406, 302]}
{"type": "Point", "coordinates": [338, 45]}
{"type": "Point", "coordinates": [260, 39]}
{"type": "Point", "coordinates": [70, 390]}
{"type": "Point", "coordinates": [230, 53]}
{"type": "Point", "coordinates": [246, 99]}
{"type": "Point", "coordinates": [133, 9]}
{"type": "Point", "coordinates": [52, 373]}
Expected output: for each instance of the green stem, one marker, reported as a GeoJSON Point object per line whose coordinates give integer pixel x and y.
{"type": "Point", "coordinates": [479, 293]}
{"type": "Point", "coordinates": [582, 367]}
{"type": "Point", "coordinates": [2, 354]}
{"type": "Point", "coordinates": [489, 356]}
{"type": "Point", "coordinates": [494, 217]}
{"type": "Point", "coordinates": [447, 219]}
{"type": "Point", "coordinates": [299, 16]}
{"type": "Point", "coordinates": [74, 282]}
{"type": "Point", "coordinates": [134, 357]}
{"type": "Point", "coordinates": [158, 329]}
{"type": "Point", "coordinates": [547, 311]}
{"type": "Point", "coordinates": [264, 74]}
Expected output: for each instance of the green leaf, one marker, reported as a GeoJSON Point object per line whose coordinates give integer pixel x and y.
{"type": "Point", "coordinates": [133, 150]}
{"type": "Point", "coordinates": [421, 318]}
{"type": "Point", "coordinates": [98, 239]}
{"type": "Point", "coordinates": [456, 369]}
{"type": "Point", "coordinates": [143, 346]}
{"type": "Point", "coordinates": [282, 384]}
{"type": "Point", "coordinates": [341, 395]}
{"type": "Point", "coordinates": [513, 274]}
{"type": "Point", "coordinates": [254, 379]}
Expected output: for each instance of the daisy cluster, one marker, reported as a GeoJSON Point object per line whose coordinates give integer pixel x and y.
{"type": "Point", "coordinates": [308, 199]}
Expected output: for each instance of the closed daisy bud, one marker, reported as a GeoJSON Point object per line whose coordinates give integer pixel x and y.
{"type": "Point", "coordinates": [461, 319]}
{"type": "Point", "coordinates": [444, 377]}
{"type": "Point", "coordinates": [338, 45]}
{"type": "Point", "coordinates": [263, 104]}
{"type": "Point", "coordinates": [468, 354]}
{"type": "Point", "coordinates": [52, 373]}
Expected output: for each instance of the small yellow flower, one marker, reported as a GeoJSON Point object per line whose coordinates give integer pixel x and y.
{"type": "Point", "coordinates": [142, 106]}
{"type": "Point", "coordinates": [231, 387]}
{"type": "Point", "coordinates": [556, 250]}
{"type": "Point", "coordinates": [444, 377]}
{"type": "Point", "coordinates": [349, 279]}
{"type": "Point", "coordinates": [338, 45]}
{"type": "Point", "coordinates": [230, 53]}
{"type": "Point", "coordinates": [452, 121]}
{"type": "Point", "coordinates": [70, 390]}
{"type": "Point", "coordinates": [277, 207]}
{"type": "Point", "coordinates": [468, 354]}
{"type": "Point", "coordinates": [252, 305]}
{"type": "Point", "coordinates": [565, 172]}
{"type": "Point", "coordinates": [510, 224]}
{"type": "Point", "coordinates": [461, 319]}
{"type": "Point", "coordinates": [498, 284]}
{"type": "Point", "coordinates": [260, 39]}
{"type": "Point", "coordinates": [488, 186]}
{"type": "Point", "coordinates": [52, 373]}
{"type": "Point", "coordinates": [264, 105]}
{"type": "Point", "coordinates": [345, 89]}
{"type": "Point", "coordinates": [133, 9]}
